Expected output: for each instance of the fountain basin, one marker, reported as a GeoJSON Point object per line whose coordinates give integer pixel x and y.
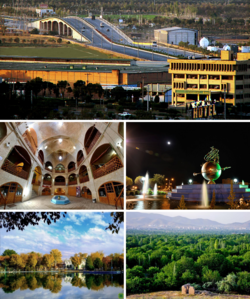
{"type": "Point", "coordinates": [60, 200]}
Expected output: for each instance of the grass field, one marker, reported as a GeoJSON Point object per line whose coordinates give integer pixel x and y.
{"type": "Point", "coordinates": [65, 51]}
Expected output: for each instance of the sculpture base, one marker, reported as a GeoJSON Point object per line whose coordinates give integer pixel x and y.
{"type": "Point", "coordinates": [62, 201]}
{"type": "Point", "coordinates": [222, 191]}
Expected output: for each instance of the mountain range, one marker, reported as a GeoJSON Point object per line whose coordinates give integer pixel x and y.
{"type": "Point", "coordinates": [136, 220]}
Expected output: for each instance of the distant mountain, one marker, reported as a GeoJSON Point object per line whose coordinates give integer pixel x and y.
{"type": "Point", "coordinates": [136, 220]}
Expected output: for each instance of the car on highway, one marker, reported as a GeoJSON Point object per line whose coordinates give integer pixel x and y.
{"type": "Point", "coordinates": [124, 114]}
{"type": "Point", "coordinates": [101, 25]}
{"type": "Point", "coordinates": [154, 44]}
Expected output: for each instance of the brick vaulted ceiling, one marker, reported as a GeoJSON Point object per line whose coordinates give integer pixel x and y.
{"type": "Point", "coordinates": [49, 133]}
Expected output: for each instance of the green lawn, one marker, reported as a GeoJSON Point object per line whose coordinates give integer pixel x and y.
{"type": "Point", "coordinates": [71, 51]}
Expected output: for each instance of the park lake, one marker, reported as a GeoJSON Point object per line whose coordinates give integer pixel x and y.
{"type": "Point", "coordinates": [56, 285]}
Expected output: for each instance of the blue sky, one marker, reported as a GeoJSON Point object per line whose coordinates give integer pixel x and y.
{"type": "Point", "coordinates": [77, 232]}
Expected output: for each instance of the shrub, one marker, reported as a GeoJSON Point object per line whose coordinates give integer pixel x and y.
{"type": "Point", "coordinates": [17, 40]}
{"type": "Point", "coordinates": [59, 41]}
{"type": "Point", "coordinates": [34, 31]}
{"type": "Point", "coordinates": [68, 42]}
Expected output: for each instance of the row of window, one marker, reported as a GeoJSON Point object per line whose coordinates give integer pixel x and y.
{"type": "Point", "coordinates": [206, 67]}
{"type": "Point", "coordinates": [181, 85]}
{"type": "Point", "coordinates": [204, 77]}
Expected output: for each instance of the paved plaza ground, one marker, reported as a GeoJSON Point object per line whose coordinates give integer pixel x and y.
{"type": "Point", "coordinates": [43, 203]}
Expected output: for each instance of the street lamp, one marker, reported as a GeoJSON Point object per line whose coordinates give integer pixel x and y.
{"type": "Point", "coordinates": [190, 182]}
{"type": "Point", "coordinates": [235, 181]}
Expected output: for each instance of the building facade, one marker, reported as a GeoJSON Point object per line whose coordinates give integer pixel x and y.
{"type": "Point", "coordinates": [194, 80]}
{"type": "Point", "coordinates": [61, 158]}
{"type": "Point", "coordinates": [174, 35]}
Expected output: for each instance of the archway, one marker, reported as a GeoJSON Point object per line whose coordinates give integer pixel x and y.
{"type": "Point", "coordinates": [60, 181]}
{"type": "Point", "coordinates": [3, 131]}
{"type": "Point", "coordinates": [18, 162]}
{"type": "Point", "coordinates": [37, 176]}
{"type": "Point", "coordinates": [121, 129]}
{"type": "Point", "coordinates": [10, 193]}
{"type": "Point", "coordinates": [47, 180]}
{"type": "Point", "coordinates": [41, 156]}
{"type": "Point", "coordinates": [46, 191]}
{"type": "Point", "coordinates": [86, 193]}
{"type": "Point", "coordinates": [72, 179]}
{"type": "Point", "coordinates": [71, 166]}
{"type": "Point", "coordinates": [30, 137]}
{"type": "Point", "coordinates": [60, 168]}
{"type": "Point", "coordinates": [49, 166]}
{"type": "Point", "coordinates": [55, 26]}
{"type": "Point", "coordinates": [111, 193]}
{"type": "Point", "coordinates": [83, 174]}
{"type": "Point", "coordinates": [59, 191]}
{"type": "Point", "coordinates": [80, 157]}
{"type": "Point", "coordinates": [104, 161]}
{"type": "Point", "coordinates": [91, 137]}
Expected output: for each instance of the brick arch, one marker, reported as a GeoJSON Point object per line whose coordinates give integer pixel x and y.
{"type": "Point", "coordinates": [18, 162]}
{"type": "Point", "coordinates": [86, 192]}
{"type": "Point", "coordinates": [47, 179]}
{"type": "Point", "coordinates": [49, 166]}
{"type": "Point", "coordinates": [83, 174]}
{"type": "Point", "coordinates": [60, 181]}
{"type": "Point", "coordinates": [71, 166]}
{"type": "Point", "coordinates": [91, 137]}
{"type": "Point", "coordinates": [72, 179]}
{"type": "Point", "coordinates": [60, 168]}
{"type": "Point", "coordinates": [104, 161]}
{"type": "Point", "coordinates": [80, 157]}
{"type": "Point", "coordinates": [11, 192]}
{"type": "Point", "coordinates": [41, 156]}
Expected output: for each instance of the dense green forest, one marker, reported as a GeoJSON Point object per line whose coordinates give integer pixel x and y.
{"type": "Point", "coordinates": [165, 261]}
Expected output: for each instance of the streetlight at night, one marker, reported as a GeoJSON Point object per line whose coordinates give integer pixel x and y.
{"type": "Point", "coordinates": [235, 181]}
{"type": "Point", "coordinates": [190, 182]}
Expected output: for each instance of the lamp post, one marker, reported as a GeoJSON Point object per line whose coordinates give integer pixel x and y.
{"type": "Point", "coordinates": [190, 182]}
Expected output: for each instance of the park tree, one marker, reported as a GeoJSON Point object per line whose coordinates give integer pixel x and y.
{"type": "Point", "coordinates": [159, 179]}
{"type": "Point", "coordinates": [89, 263]}
{"type": "Point", "coordinates": [98, 263]}
{"type": "Point", "coordinates": [62, 85]}
{"type": "Point", "coordinates": [32, 260]}
{"type": "Point", "coordinates": [16, 261]}
{"type": "Point", "coordinates": [8, 252]}
{"type": "Point", "coordinates": [97, 254]}
{"type": "Point", "coordinates": [57, 255]}
{"type": "Point", "coordinates": [76, 260]}
{"type": "Point", "coordinates": [129, 181]}
{"type": "Point", "coordinates": [138, 182]}
{"type": "Point", "coordinates": [48, 260]}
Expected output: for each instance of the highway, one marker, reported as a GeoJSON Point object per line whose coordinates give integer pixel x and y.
{"type": "Point", "coordinates": [107, 35]}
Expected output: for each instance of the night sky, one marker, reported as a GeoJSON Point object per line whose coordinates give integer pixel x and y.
{"type": "Point", "coordinates": [190, 142]}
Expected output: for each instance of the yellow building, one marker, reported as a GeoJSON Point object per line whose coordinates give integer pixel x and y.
{"type": "Point", "coordinates": [199, 79]}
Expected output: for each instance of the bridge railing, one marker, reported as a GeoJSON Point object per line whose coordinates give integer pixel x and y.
{"type": "Point", "coordinates": [128, 39]}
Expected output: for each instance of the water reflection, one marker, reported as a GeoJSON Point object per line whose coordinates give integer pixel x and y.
{"type": "Point", "coordinates": [83, 284]}
{"type": "Point", "coordinates": [163, 204]}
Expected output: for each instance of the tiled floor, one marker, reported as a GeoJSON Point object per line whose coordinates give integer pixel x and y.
{"type": "Point", "coordinates": [43, 203]}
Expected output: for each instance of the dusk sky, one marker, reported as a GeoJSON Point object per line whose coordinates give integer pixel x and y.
{"type": "Point", "coordinates": [215, 215]}
{"type": "Point", "coordinates": [78, 232]}
{"type": "Point", "coordinates": [189, 143]}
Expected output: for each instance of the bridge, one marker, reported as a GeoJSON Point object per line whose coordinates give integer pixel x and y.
{"type": "Point", "coordinates": [102, 34]}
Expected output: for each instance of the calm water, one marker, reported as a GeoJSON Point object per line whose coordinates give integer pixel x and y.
{"type": "Point", "coordinates": [161, 204]}
{"type": "Point", "coordinates": [72, 286]}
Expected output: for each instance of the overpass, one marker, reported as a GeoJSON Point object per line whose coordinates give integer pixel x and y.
{"type": "Point", "coordinates": [102, 34]}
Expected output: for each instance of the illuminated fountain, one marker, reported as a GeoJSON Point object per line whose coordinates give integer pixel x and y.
{"type": "Point", "coordinates": [155, 189]}
{"type": "Point", "coordinates": [204, 195]}
{"type": "Point", "coordinates": [145, 186]}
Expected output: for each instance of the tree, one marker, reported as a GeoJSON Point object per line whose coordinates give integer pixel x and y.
{"type": "Point", "coordinates": [59, 40]}
{"type": "Point", "coordinates": [212, 203]}
{"type": "Point", "coordinates": [182, 205]}
{"type": "Point", "coordinates": [34, 31]}
{"type": "Point", "coordinates": [76, 260]}
{"type": "Point", "coordinates": [159, 179]}
{"type": "Point", "coordinates": [8, 252]}
{"type": "Point", "coordinates": [231, 198]}
{"type": "Point", "coordinates": [16, 260]}
{"type": "Point", "coordinates": [48, 260]}
{"type": "Point", "coordinates": [20, 220]}
{"type": "Point", "coordinates": [138, 182]}
{"type": "Point", "coordinates": [129, 181]}
{"type": "Point", "coordinates": [62, 85]}
{"type": "Point", "coordinates": [98, 263]}
{"type": "Point", "coordinates": [89, 263]}
{"type": "Point", "coordinates": [118, 218]}
{"type": "Point", "coordinates": [228, 284]}
{"type": "Point", "coordinates": [57, 255]}
{"type": "Point", "coordinates": [32, 260]}
{"type": "Point", "coordinates": [97, 254]}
